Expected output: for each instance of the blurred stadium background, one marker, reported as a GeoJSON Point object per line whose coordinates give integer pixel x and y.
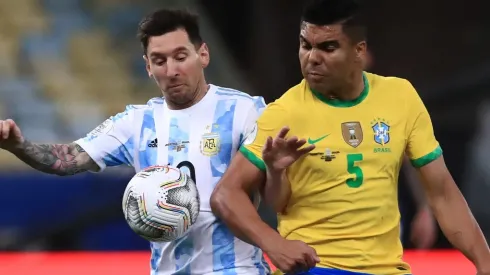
{"type": "Point", "coordinates": [66, 65]}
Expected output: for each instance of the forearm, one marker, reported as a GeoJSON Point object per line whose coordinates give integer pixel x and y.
{"type": "Point", "coordinates": [235, 209]}
{"type": "Point", "coordinates": [414, 183]}
{"type": "Point", "coordinates": [58, 159]}
{"type": "Point", "coordinates": [277, 190]}
{"type": "Point", "coordinates": [459, 225]}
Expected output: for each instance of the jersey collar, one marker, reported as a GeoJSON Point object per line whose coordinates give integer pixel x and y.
{"type": "Point", "coordinates": [342, 103]}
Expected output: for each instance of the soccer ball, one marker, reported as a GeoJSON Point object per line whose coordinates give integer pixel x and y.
{"type": "Point", "coordinates": [161, 203]}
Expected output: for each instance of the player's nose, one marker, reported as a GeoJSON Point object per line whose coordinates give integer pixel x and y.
{"type": "Point", "coordinates": [172, 69]}
{"type": "Point", "coordinates": [314, 57]}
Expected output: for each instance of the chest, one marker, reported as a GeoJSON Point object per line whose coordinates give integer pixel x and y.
{"type": "Point", "coordinates": [352, 146]}
{"type": "Point", "coordinates": [201, 144]}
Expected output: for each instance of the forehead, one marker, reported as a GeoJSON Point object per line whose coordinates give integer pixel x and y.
{"type": "Point", "coordinates": [169, 42]}
{"type": "Point", "coordinates": [318, 34]}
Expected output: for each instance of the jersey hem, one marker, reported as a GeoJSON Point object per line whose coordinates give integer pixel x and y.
{"type": "Point", "coordinates": [430, 157]}
{"type": "Point", "coordinates": [252, 158]}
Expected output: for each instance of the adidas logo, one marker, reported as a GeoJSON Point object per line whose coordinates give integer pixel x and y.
{"type": "Point", "coordinates": [153, 143]}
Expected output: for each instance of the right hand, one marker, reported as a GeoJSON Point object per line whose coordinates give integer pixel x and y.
{"type": "Point", "coordinates": [279, 153]}
{"type": "Point", "coordinates": [292, 256]}
{"type": "Point", "coordinates": [10, 135]}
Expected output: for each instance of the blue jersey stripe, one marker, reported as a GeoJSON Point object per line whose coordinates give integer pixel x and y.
{"type": "Point", "coordinates": [224, 115]}
{"type": "Point", "coordinates": [156, 255]}
{"type": "Point", "coordinates": [147, 155]}
{"type": "Point", "coordinates": [223, 249]}
{"type": "Point", "coordinates": [122, 155]}
{"type": "Point", "coordinates": [184, 248]}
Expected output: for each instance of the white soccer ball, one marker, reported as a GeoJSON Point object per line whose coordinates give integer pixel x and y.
{"type": "Point", "coordinates": [161, 203]}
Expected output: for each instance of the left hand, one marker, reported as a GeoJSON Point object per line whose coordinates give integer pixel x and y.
{"type": "Point", "coordinates": [279, 153]}
{"type": "Point", "coordinates": [423, 229]}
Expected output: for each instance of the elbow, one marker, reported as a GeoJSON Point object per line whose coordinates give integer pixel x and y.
{"type": "Point", "coordinates": [218, 201]}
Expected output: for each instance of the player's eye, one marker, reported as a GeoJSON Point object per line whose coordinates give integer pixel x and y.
{"type": "Point", "coordinates": [158, 61]}
{"type": "Point", "coordinates": [181, 57]}
{"type": "Point", "coordinates": [305, 46]}
{"type": "Point", "coordinates": [328, 47]}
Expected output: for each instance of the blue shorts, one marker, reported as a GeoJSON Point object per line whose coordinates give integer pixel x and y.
{"type": "Point", "coordinates": [329, 271]}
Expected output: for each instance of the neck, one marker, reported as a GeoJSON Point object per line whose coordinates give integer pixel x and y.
{"type": "Point", "coordinates": [201, 90]}
{"type": "Point", "coordinates": [350, 91]}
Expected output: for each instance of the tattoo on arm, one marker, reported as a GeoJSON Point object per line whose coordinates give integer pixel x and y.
{"type": "Point", "coordinates": [59, 159]}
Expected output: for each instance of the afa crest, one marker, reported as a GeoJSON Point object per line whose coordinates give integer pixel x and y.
{"type": "Point", "coordinates": [381, 131]}
{"type": "Point", "coordinates": [210, 144]}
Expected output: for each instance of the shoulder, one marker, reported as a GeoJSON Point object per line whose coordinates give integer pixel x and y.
{"type": "Point", "coordinates": [293, 95]}
{"type": "Point", "coordinates": [390, 84]}
{"type": "Point", "coordinates": [241, 98]}
{"type": "Point", "coordinates": [138, 111]}
{"type": "Point", "coordinates": [289, 101]}
{"type": "Point", "coordinates": [284, 109]}
{"type": "Point", "coordinates": [133, 109]}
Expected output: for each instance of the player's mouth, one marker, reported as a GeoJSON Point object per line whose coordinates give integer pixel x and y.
{"type": "Point", "coordinates": [315, 76]}
{"type": "Point", "coordinates": [176, 86]}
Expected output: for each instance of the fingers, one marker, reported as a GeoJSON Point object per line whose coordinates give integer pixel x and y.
{"type": "Point", "coordinates": [306, 150]}
{"type": "Point", "coordinates": [268, 144]}
{"type": "Point", "coordinates": [5, 129]}
{"type": "Point", "coordinates": [9, 129]}
{"type": "Point", "coordinates": [14, 129]}
{"type": "Point", "coordinates": [283, 132]}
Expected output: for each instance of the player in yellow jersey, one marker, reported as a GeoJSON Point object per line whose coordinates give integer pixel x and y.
{"type": "Point", "coordinates": [332, 173]}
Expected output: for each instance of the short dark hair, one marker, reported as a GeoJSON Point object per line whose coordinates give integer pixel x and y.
{"type": "Point", "coordinates": [348, 13]}
{"type": "Point", "coordinates": [168, 20]}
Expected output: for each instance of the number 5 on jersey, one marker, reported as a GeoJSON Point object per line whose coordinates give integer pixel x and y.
{"type": "Point", "coordinates": [354, 170]}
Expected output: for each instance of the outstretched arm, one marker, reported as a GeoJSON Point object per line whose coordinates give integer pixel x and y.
{"type": "Point", "coordinates": [445, 199]}
{"type": "Point", "coordinates": [453, 214]}
{"type": "Point", "coordinates": [58, 159]}
{"type": "Point", "coordinates": [423, 230]}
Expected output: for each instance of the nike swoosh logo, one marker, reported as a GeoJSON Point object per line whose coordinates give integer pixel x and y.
{"type": "Point", "coordinates": [313, 141]}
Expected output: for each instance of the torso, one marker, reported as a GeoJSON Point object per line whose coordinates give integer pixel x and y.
{"type": "Point", "coordinates": [344, 194]}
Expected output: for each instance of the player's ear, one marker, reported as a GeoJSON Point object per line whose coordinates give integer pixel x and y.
{"type": "Point", "coordinates": [361, 49]}
{"type": "Point", "coordinates": [147, 65]}
{"type": "Point", "coordinates": [203, 53]}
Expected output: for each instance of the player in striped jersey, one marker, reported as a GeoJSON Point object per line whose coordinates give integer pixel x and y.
{"type": "Point", "coordinates": [197, 127]}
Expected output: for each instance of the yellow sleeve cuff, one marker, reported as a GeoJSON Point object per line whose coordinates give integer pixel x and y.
{"type": "Point", "coordinates": [259, 163]}
{"type": "Point", "coordinates": [430, 157]}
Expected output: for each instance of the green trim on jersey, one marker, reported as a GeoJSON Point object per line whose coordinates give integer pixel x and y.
{"type": "Point", "coordinates": [342, 103]}
{"type": "Point", "coordinates": [430, 157]}
{"type": "Point", "coordinates": [253, 158]}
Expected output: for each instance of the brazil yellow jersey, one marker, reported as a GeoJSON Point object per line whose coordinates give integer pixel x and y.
{"type": "Point", "coordinates": [344, 193]}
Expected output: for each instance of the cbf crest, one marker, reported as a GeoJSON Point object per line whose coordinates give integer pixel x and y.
{"type": "Point", "coordinates": [352, 133]}
{"type": "Point", "coordinates": [381, 131]}
{"type": "Point", "coordinates": [210, 141]}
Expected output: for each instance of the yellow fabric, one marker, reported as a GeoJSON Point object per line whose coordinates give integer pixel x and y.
{"type": "Point", "coordinates": [344, 194]}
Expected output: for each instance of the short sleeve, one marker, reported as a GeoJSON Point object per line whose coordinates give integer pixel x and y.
{"type": "Point", "coordinates": [250, 123]}
{"type": "Point", "coordinates": [270, 122]}
{"type": "Point", "coordinates": [422, 145]}
{"type": "Point", "coordinates": [111, 143]}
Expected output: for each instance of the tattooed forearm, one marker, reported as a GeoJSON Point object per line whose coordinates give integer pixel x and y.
{"type": "Point", "coordinates": [59, 159]}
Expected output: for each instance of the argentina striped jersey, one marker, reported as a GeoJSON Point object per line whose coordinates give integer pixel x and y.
{"type": "Point", "coordinates": [200, 140]}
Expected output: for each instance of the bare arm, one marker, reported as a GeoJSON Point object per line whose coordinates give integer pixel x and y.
{"type": "Point", "coordinates": [277, 190]}
{"type": "Point", "coordinates": [413, 183]}
{"type": "Point", "coordinates": [230, 201]}
{"type": "Point", "coordinates": [453, 214]}
{"type": "Point", "coordinates": [58, 159]}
